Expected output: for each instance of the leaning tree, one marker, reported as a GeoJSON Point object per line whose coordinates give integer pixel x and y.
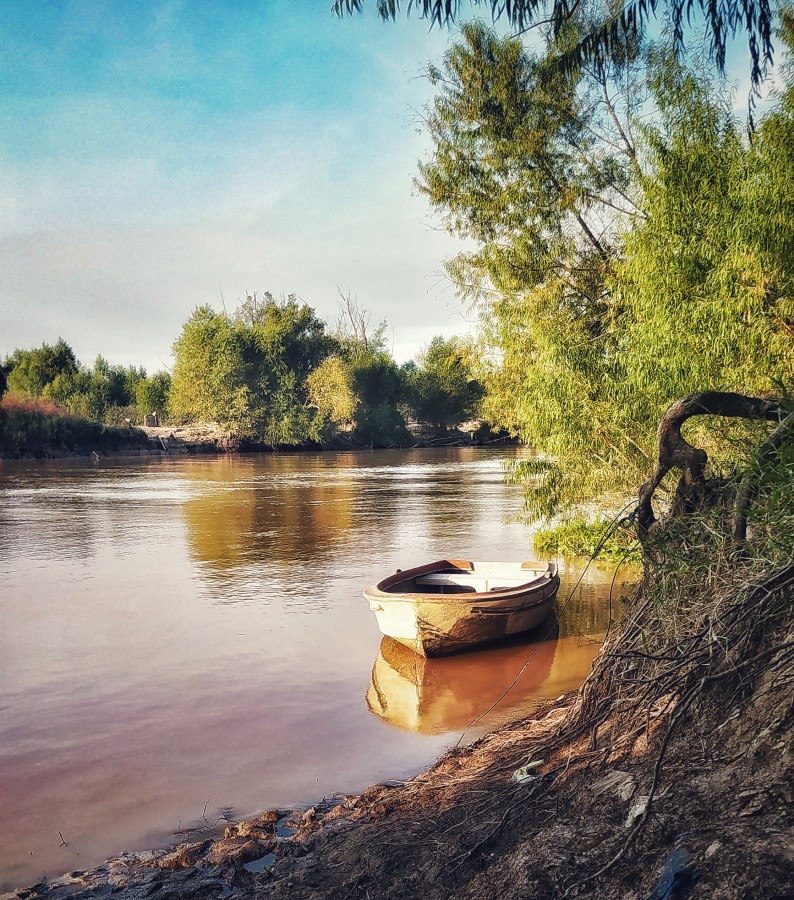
{"type": "Point", "coordinates": [676, 452]}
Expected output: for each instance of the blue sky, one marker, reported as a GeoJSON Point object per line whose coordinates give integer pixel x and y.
{"type": "Point", "coordinates": [160, 154]}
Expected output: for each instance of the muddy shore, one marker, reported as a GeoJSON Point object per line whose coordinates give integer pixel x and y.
{"type": "Point", "coordinates": [471, 827]}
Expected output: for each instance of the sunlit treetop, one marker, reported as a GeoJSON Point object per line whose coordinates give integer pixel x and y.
{"type": "Point", "coordinates": [722, 20]}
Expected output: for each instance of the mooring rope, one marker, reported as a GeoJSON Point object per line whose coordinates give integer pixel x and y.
{"type": "Point", "coordinates": [618, 521]}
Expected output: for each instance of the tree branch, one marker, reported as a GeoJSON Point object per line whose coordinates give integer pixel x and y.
{"type": "Point", "coordinates": [676, 452]}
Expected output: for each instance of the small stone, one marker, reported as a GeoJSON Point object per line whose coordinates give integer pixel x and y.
{"type": "Point", "coordinates": [752, 808]}
{"type": "Point", "coordinates": [622, 783]}
{"type": "Point", "coordinates": [183, 857]}
{"type": "Point", "coordinates": [237, 851]}
{"type": "Point", "coordinates": [712, 849]}
{"type": "Point", "coordinates": [637, 810]}
{"type": "Point", "coordinates": [263, 826]}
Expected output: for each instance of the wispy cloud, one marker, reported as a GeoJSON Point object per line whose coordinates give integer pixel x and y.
{"type": "Point", "coordinates": [156, 156]}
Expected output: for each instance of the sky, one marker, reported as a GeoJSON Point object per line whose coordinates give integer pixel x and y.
{"type": "Point", "coordinates": [161, 154]}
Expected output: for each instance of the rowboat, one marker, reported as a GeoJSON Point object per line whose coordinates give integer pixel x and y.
{"type": "Point", "coordinates": [453, 604]}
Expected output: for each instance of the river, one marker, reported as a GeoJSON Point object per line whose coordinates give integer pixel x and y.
{"type": "Point", "coordinates": [185, 638]}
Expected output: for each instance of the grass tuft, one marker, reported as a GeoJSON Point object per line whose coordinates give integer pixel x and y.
{"type": "Point", "coordinates": [578, 537]}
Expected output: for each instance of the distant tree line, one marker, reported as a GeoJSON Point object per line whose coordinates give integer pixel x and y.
{"type": "Point", "coordinates": [103, 393]}
{"type": "Point", "coordinates": [271, 373]}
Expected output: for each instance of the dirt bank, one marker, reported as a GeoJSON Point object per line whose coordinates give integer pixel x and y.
{"type": "Point", "coordinates": [175, 439]}
{"type": "Point", "coordinates": [123, 442]}
{"type": "Point", "coordinates": [720, 817]}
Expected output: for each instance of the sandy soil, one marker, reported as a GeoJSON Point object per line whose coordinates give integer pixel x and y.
{"type": "Point", "coordinates": [200, 438]}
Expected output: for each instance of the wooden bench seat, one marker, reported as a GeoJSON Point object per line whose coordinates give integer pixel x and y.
{"type": "Point", "coordinates": [464, 579]}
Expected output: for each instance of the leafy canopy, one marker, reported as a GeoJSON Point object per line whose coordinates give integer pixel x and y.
{"type": "Point", "coordinates": [247, 372]}
{"type": "Point", "coordinates": [617, 265]}
{"type": "Point", "coordinates": [443, 388]}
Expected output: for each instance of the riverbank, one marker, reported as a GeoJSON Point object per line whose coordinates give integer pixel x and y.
{"type": "Point", "coordinates": [693, 786]}
{"type": "Point", "coordinates": [668, 773]}
{"type": "Point", "coordinates": [58, 437]}
{"type": "Point", "coordinates": [32, 434]}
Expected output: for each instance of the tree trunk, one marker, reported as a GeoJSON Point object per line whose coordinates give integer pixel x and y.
{"type": "Point", "coordinates": [676, 452]}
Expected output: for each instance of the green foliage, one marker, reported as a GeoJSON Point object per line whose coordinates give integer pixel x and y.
{"type": "Point", "coordinates": [443, 390]}
{"type": "Point", "coordinates": [52, 372]}
{"type": "Point", "coordinates": [538, 169]}
{"type": "Point", "coordinates": [209, 377]}
{"type": "Point", "coordinates": [607, 33]}
{"type": "Point", "coordinates": [770, 516]}
{"type": "Point", "coordinates": [151, 394]}
{"type": "Point", "coordinates": [379, 385]}
{"type": "Point", "coordinates": [595, 328]}
{"type": "Point", "coordinates": [520, 167]}
{"type": "Point", "coordinates": [360, 383]}
{"type": "Point", "coordinates": [248, 372]}
{"type": "Point", "coordinates": [101, 393]}
{"type": "Point", "coordinates": [30, 430]}
{"type": "Point", "coordinates": [269, 373]}
{"type": "Point", "coordinates": [580, 537]}
{"type": "Point", "coordinates": [31, 371]}
{"type": "Point", "coordinates": [330, 388]}
{"type": "Point", "coordinates": [706, 277]}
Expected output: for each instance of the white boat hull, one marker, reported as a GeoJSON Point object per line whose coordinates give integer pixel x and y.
{"type": "Point", "coordinates": [453, 605]}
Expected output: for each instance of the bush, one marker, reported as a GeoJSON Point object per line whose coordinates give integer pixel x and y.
{"type": "Point", "coordinates": [39, 428]}
{"type": "Point", "coordinates": [578, 537]}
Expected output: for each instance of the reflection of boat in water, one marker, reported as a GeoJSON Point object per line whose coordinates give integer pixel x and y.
{"type": "Point", "coordinates": [437, 695]}
{"type": "Point", "coordinates": [452, 605]}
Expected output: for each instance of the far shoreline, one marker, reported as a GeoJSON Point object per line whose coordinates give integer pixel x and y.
{"type": "Point", "coordinates": [210, 439]}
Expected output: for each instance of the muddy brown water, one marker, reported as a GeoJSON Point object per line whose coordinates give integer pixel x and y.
{"type": "Point", "coordinates": [183, 639]}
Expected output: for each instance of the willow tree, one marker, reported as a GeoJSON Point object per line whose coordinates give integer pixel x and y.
{"type": "Point", "coordinates": [616, 266]}
{"type": "Point", "coordinates": [538, 170]}
{"type": "Point", "coordinates": [720, 22]}
{"type": "Point", "coordinates": [706, 278]}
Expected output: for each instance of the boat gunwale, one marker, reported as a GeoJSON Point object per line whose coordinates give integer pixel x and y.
{"type": "Point", "coordinates": [379, 592]}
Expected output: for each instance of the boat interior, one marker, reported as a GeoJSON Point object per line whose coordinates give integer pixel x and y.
{"type": "Point", "coordinates": [481, 578]}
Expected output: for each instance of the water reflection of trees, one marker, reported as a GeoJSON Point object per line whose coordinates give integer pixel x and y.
{"type": "Point", "coordinates": [274, 515]}
{"type": "Point", "coordinates": [279, 509]}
